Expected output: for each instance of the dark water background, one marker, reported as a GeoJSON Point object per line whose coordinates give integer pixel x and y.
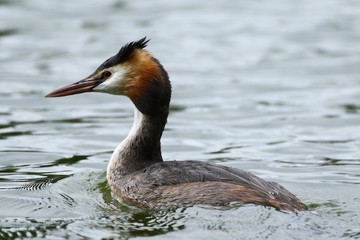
{"type": "Point", "coordinates": [272, 87]}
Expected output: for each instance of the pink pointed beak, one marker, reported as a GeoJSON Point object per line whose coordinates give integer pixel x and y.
{"type": "Point", "coordinates": [75, 88]}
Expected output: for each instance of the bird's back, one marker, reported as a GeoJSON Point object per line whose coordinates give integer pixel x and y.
{"type": "Point", "coordinates": [174, 184]}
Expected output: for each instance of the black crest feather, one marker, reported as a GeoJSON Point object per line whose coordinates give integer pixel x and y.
{"type": "Point", "coordinates": [125, 53]}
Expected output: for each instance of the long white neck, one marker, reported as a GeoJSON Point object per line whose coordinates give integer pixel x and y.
{"type": "Point", "coordinates": [125, 144]}
{"type": "Point", "coordinates": [141, 148]}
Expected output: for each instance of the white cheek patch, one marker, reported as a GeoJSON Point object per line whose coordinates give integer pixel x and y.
{"type": "Point", "coordinates": [115, 84]}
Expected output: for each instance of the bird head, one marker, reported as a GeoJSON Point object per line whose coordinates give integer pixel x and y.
{"type": "Point", "coordinates": [132, 72]}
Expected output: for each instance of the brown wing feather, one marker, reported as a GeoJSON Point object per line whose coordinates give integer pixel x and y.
{"type": "Point", "coordinates": [193, 182]}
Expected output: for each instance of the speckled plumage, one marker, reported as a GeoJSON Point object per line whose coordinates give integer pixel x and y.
{"type": "Point", "coordinates": [184, 183]}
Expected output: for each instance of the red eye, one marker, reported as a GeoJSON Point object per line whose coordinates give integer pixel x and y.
{"type": "Point", "coordinates": [105, 75]}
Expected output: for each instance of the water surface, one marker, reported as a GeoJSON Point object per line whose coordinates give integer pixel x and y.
{"type": "Point", "coordinates": [273, 88]}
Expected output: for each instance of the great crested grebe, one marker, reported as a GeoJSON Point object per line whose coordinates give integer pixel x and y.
{"type": "Point", "coordinates": [137, 173]}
